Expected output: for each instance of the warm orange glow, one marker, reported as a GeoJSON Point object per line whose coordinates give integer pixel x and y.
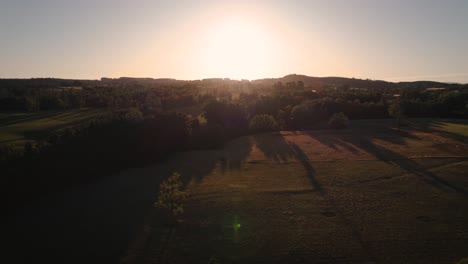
{"type": "Point", "coordinates": [237, 47]}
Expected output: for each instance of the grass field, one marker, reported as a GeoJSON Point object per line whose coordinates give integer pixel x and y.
{"type": "Point", "coordinates": [368, 194]}
{"type": "Point", "coordinates": [18, 128]}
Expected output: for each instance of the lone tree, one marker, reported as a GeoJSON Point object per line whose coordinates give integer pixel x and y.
{"type": "Point", "coordinates": [396, 110]}
{"type": "Point", "coordinates": [171, 196]}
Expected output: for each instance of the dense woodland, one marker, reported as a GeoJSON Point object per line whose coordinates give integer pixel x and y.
{"type": "Point", "coordinates": [144, 120]}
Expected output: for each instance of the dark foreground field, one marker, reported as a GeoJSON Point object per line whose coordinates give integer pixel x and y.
{"type": "Point", "coordinates": [368, 194]}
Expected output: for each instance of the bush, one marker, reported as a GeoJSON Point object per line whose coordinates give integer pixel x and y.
{"type": "Point", "coordinates": [263, 123]}
{"type": "Point", "coordinates": [338, 121]}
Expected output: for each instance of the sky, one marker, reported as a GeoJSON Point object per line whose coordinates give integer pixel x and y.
{"type": "Point", "coordinates": [394, 40]}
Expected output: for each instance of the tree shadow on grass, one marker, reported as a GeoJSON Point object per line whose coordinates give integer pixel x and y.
{"type": "Point", "coordinates": [395, 136]}
{"type": "Point", "coordinates": [407, 164]}
{"type": "Point", "coordinates": [306, 163]}
{"type": "Point", "coordinates": [279, 149]}
{"type": "Point", "coordinates": [235, 153]}
{"type": "Point", "coordinates": [382, 129]}
{"type": "Point", "coordinates": [364, 140]}
{"type": "Point", "coordinates": [347, 140]}
{"type": "Point", "coordinates": [436, 126]}
{"type": "Point", "coordinates": [333, 141]}
{"type": "Point", "coordinates": [275, 147]}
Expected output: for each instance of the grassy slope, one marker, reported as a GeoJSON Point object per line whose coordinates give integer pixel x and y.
{"type": "Point", "coordinates": [17, 128]}
{"type": "Point", "coordinates": [364, 195]}
{"type": "Point", "coordinates": [454, 126]}
{"type": "Point", "coordinates": [323, 196]}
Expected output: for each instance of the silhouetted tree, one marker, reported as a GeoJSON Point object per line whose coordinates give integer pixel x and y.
{"type": "Point", "coordinates": [396, 110]}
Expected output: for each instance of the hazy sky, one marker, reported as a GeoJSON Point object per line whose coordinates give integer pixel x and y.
{"type": "Point", "coordinates": [391, 40]}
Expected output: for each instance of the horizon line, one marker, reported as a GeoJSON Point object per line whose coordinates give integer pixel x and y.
{"type": "Point", "coordinates": [389, 79]}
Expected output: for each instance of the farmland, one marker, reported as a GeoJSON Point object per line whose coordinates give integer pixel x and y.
{"type": "Point", "coordinates": [16, 128]}
{"type": "Point", "coordinates": [367, 194]}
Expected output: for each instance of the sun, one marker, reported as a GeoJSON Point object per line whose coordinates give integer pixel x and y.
{"type": "Point", "coordinates": [237, 48]}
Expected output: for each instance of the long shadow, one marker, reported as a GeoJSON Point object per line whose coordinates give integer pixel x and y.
{"type": "Point", "coordinates": [435, 126]}
{"type": "Point", "coordinates": [280, 149]}
{"type": "Point", "coordinates": [275, 147]}
{"type": "Point", "coordinates": [332, 142]}
{"type": "Point", "coordinates": [392, 157]}
{"type": "Point", "coordinates": [383, 130]}
{"type": "Point", "coordinates": [361, 139]}
{"type": "Point", "coordinates": [302, 157]}
{"type": "Point", "coordinates": [394, 136]}
{"type": "Point", "coordinates": [352, 140]}
{"type": "Point", "coordinates": [349, 141]}
{"type": "Point", "coordinates": [235, 153]}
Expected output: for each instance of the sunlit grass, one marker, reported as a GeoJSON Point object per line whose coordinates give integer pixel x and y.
{"type": "Point", "coordinates": [17, 128]}
{"type": "Point", "coordinates": [460, 129]}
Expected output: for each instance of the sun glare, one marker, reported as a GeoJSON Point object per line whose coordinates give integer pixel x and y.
{"type": "Point", "coordinates": [237, 48]}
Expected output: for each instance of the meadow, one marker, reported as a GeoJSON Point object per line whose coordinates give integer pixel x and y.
{"type": "Point", "coordinates": [366, 194]}
{"type": "Point", "coordinates": [16, 128]}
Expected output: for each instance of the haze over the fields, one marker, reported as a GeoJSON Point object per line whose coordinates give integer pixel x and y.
{"type": "Point", "coordinates": [389, 40]}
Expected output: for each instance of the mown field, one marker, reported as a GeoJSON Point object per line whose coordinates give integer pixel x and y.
{"type": "Point", "coordinates": [16, 128]}
{"type": "Point", "coordinates": [367, 194]}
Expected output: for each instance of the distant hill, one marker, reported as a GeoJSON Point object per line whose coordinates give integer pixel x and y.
{"type": "Point", "coordinates": [351, 82]}
{"type": "Point", "coordinates": [308, 81]}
